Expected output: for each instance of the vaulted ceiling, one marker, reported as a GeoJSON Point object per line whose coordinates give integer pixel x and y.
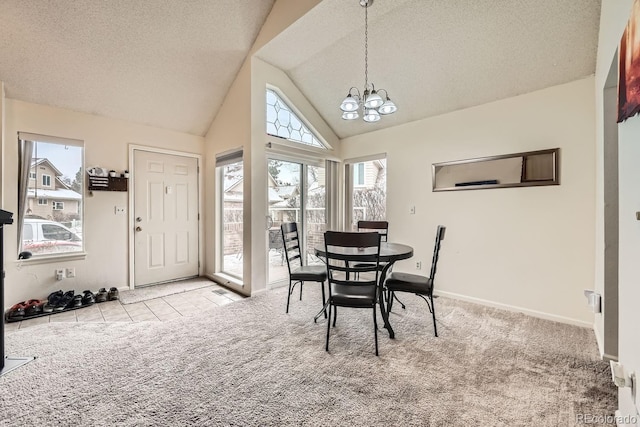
{"type": "Point", "coordinates": [170, 63]}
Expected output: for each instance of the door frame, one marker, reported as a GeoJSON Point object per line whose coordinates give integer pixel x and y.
{"type": "Point", "coordinates": [304, 162]}
{"type": "Point", "coordinates": [131, 219]}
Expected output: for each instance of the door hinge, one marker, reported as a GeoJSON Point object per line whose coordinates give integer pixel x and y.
{"type": "Point", "coordinates": [198, 217]}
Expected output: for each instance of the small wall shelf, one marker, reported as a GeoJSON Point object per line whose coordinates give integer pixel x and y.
{"type": "Point", "coordinates": [108, 183]}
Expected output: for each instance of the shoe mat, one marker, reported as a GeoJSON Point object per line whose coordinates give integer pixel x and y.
{"type": "Point", "coordinates": [7, 319]}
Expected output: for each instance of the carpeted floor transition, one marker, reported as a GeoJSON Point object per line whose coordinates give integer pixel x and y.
{"type": "Point", "coordinates": [250, 364]}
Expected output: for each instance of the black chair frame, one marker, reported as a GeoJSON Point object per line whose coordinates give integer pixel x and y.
{"type": "Point", "coordinates": [304, 273]}
{"type": "Point", "coordinates": [362, 252]}
{"type": "Point", "coordinates": [418, 285]}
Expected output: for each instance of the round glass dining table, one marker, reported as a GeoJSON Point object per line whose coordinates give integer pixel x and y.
{"type": "Point", "coordinates": [389, 254]}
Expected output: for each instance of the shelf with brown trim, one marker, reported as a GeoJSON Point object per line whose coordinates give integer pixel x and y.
{"type": "Point", "coordinates": [108, 183]}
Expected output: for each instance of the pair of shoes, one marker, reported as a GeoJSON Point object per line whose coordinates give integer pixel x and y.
{"type": "Point", "coordinates": [101, 296]}
{"type": "Point", "coordinates": [52, 301]}
{"type": "Point", "coordinates": [67, 300]}
{"type": "Point", "coordinates": [76, 301]}
{"type": "Point", "coordinates": [113, 294]}
{"type": "Point", "coordinates": [88, 298]}
{"type": "Point", "coordinates": [16, 312]}
{"type": "Point", "coordinates": [33, 307]}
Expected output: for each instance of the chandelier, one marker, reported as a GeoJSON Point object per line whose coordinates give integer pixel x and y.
{"type": "Point", "coordinates": [370, 104]}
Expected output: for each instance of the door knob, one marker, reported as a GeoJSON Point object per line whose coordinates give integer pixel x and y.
{"type": "Point", "coordinates": [138, 228]}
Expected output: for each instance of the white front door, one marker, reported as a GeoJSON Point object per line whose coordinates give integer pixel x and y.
{"type": "Point", "coordinates": [165, 217]}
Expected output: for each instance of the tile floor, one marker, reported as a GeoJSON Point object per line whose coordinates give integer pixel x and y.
{"type": "Point", "coordinates": [153, 310]}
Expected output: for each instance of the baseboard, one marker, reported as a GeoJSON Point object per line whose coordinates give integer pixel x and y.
{"type": "Point", "coordinates": [534, 313]}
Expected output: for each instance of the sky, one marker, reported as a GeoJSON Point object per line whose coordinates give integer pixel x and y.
{"type": "Point", "coordinates": [66, 158]}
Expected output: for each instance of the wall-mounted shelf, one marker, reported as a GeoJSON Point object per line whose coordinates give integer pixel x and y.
{"type": "Point", "coordinates": [108, 183]}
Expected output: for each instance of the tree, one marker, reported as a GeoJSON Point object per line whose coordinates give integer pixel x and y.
{"type": "Point", "coordinates": [76, 185]}
{"type": "Point", "coordinates": [274, 169]}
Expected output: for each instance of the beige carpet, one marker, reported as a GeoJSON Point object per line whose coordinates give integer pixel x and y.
{"type": "Point", "coordinates": [250, 364]}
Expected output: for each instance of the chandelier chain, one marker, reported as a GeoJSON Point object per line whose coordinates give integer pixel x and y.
{"type": "Point", "coordinates": [366, 47]}
{"type": "Point", "coordinates": [369, 102]}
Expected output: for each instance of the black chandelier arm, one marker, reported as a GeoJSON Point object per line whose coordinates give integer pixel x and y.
{"type": "Point", "coordinates": [356, 89]}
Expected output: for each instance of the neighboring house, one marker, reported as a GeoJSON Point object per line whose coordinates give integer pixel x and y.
{"type": "Point", "coordinates": [369, 174]}
{"type": "Point", "coordinates": [48, 196]}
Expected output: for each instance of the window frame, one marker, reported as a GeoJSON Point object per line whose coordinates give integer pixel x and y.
{"type": "Point", "coordinates": [349, 181]}
{"type": "Point", "coordinates": [57, 205]}
{"type": "Point", "coordinates": [223, 160]}
{"type": "Point", "coordinates": [23, 211]}
{"type": "Point", "coordinates": [46, 177]}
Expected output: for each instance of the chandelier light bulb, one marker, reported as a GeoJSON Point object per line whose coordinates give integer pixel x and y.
{"type": "Point", "coordinates": [349, 104]}
{"type": "Point", "coordinates": [350, 115]}
{"type": "Point", "coordinates": [371, 115]}
{"type": "Point", "coordinates": [373, 100]}
{"type": "Point", "coordinates": [388, 107]}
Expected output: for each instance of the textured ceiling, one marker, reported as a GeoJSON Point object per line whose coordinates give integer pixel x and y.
{"type": "Point", "coordinates": [169, 63]}
{"type": "Point", "coordinates": [436, 56]}
{"type": "Point", "coordinates": [165, 63]}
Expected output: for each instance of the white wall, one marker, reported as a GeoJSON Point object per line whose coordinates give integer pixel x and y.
{"type": "Point", "coordinates": [241, 123]}
{"type": "Point", "coordinates": [530, 249]}
{"type": "Point", "coordinates": [105, 234]}
{"type": "Point", "coordinates": [614, 17]}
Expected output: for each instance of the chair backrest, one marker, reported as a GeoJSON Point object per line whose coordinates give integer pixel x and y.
{"type": "Point", "coordinates": [436, 250]}
{"type": "Point", "coordinates": [382, 227]}
{"type": "Point", "coordinates": [291, 244]}
{"type": "Point", "coordinates": [349, 253]}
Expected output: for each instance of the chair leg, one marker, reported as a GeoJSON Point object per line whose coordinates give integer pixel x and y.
{"type": "Point", "coordinates": [375, 328]}
{"type": "Point", "coordinates": [289, 295]}
{"type": "Point", "coordinates": [389, 300]}
{"type": "Point", "coordinates": [397, 299]}
{"type": "Point", "coordinates": [301, 290]}
{"type": "Point", "coordinates": [323, 300]}
{"type": "Point", "coordinates": [433, 314]}
{"type": "Point", "coordinates": [335, 315]}
{"type": "Point", "coordinates": [328, 330]}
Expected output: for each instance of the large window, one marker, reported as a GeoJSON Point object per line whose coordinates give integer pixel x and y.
{"type": "Point", "coordinates": [50, 169]}
{"type": "Point", "coordinates": [368, 191]}
{"type": "Point", "coordinates": [230, 175]}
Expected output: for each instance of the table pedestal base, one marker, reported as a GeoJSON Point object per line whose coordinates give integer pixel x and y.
{"type": "Point", "coordinates": [11, 363]}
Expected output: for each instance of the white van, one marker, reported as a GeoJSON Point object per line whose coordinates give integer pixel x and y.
{"type": "Point", "coordinates": [41, 236]}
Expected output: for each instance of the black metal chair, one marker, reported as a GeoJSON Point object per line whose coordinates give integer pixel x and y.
{"type": "Point", "coordinates": [419, 285]}
{"type": "Point", "coordinates": [362, 252]}
{"type": "Point", "coordinates": [298, 272]}
{"type": "Point", "coordinates": [381, 227]}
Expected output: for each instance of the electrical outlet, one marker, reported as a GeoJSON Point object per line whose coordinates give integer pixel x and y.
{"type": "Point", "coordinates": [418, 265]}
{"type": "Point", "coordinates": [59, 273]}
{"type": "Point", "coordinates": [120, 210]}
{"type": "Point", "coordinates": [71, 272]}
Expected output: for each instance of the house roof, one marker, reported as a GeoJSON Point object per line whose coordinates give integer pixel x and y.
{"type": "Point", "coordinates": [58, 194]}
{"type": "Point", "coordinates": [433, 56]}
{"type": "Point", "coordinates": [47, 162]}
